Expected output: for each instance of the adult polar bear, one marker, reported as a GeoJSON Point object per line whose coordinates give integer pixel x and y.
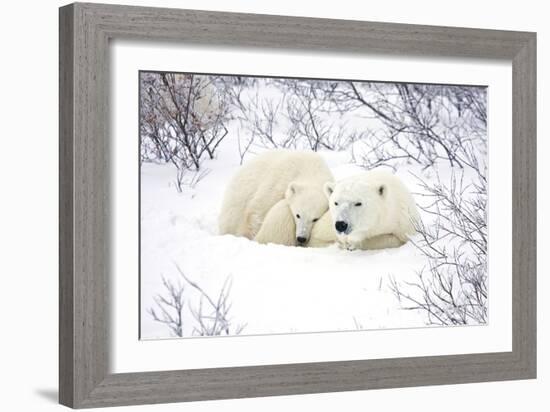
{"type": "Point", "coordinates": [282, 187]}
{"type": "Point", "coordinates": [373, 210]}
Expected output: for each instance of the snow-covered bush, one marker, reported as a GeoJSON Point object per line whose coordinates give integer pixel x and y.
{"type": "Point", "coordinates": [414, 123]}
{"type": "Point", "coordinates": [289, 114]}
{"type": "Point", "coordinates": [169, 307]}
{"type": "Point", "coordinates": [452, 289]}
{"type": "Point", "coordinates": [182, 118]}
{"type": "Point", "coordinates": [211, 317]}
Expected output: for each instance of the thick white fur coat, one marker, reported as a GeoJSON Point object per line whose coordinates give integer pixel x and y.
{"type": "Point", "coordinates": [278, 184]}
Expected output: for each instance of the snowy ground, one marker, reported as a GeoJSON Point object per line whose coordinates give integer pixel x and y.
{"type": "Point", "coordinates": [274, 289]}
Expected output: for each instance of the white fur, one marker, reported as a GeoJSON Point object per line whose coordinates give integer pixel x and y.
{"type": "Point", "coordinates": [323, 233]}
{"type": "Point", "coordinates": [279, 178]}
{"type": "Point", "coordinates": [377, 208]}
{"type": "Point", "coordinates": [278, 226]}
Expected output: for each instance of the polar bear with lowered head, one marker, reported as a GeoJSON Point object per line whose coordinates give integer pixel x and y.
{"type": "Point", "coordinates": [283, 186]}
{"type": "Point", "coordinates": [373, 210]}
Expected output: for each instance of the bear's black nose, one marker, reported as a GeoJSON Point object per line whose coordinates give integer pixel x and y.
{"type": "Point", "coordinates": [341, 226]}
{"type": "Point", "coordinates": [301, 239]}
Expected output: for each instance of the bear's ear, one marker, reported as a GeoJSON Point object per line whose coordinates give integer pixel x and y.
{"type": "Point", "coordinates": [328, 188]}
{"type": "Point", "coordinates": [381, 190]}
{"type": "Point", "coordinates": [291, 190]}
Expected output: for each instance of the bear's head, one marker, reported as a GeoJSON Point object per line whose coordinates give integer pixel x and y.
{"type": "Point", "coordinates": [307, 204]}
{"type": "Point", "coordinates": [355, 205]}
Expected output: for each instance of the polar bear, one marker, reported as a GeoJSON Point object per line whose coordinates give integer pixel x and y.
{"type": "Point", "coordinates": [323, 233]}
{"type": "Point", "coordinates": [373, 210]}
{"type": "Point", "coordinates": [279, 184]}
{"type": "Point", "coordinates": [278, 226]}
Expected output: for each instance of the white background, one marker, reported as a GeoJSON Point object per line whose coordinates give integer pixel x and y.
{"type": "Point", "coordinates": [28, 206]}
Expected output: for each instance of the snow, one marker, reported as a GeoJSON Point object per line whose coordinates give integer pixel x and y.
{"type": "Point", "coordinates": [273, 288]}
{"type": "Point", "coordinates": [278, 289]}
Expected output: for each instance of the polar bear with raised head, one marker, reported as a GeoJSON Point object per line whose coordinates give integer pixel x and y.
{"type": "Point", "coordinates": [285, 186]}
{"type": "Point", "coordinates": [373, 210]}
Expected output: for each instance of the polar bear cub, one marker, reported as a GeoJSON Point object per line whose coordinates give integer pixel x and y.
{"type": "Point", "coordinates": [280, 185]}
{"type": "Point", "coordinates": [373, 210]}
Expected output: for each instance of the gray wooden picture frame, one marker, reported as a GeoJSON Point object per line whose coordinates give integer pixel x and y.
{"type": "Point", "coordinates": [85, 32]}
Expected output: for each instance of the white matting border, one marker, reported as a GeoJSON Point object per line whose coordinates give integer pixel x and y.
{"type": "Point", "coordinates": [129, 354]}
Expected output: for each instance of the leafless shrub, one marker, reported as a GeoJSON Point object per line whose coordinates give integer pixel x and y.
{"type": "Point", "coordinates": [395, 122]}
{"type": "Point", "coordinates": [357, 324]}
{"type": "Point", "coordinates": [312, 119]}
{"type": "Point", "coordinates": [452, 290]}
{"type": "Point", "coordinates": [416, 123]}
{"type": "Point", "coordinates": [182, 118]}
{"type": "Point", "coordinates": [288, 113]}
{"type": "Point", "coordinates": [170, 307]}
{"type": "Point", "coordinates": [189, 179]}
{"type": "Point", "coordinates": [256, 113]}
{"type": "Point", "coordinates": [212, 315]}
{"type": "Point", "coordinates": [210, 318]}
{"type": "Point", "coordinates": [244, 145]}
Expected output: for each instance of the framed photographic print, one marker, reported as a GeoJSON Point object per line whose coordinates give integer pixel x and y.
{"type": "Point", "coordinates": [257, 205]}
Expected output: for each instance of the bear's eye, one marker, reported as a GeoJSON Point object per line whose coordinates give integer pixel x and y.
{"type": "Point", "coordinates": [298, 216]}
{"type": "Point", "coordinates": [359, 204]}
{"type": "Point", "coordinates": [335, 203]}
{"type": "Point", "coordinates": [315, 220]}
